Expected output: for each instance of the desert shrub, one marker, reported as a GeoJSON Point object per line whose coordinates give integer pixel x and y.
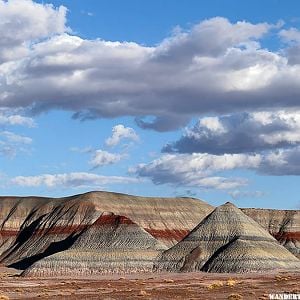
{"type": "Point", "coordinates": [215, 285]}
{"type": "Point", "coordinates": [235, 297]}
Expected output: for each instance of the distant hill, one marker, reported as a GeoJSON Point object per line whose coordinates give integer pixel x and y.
{"type": "Point", "coordinates": [227, 241]}
{"type": "Point", "coordinates": [38, 230]}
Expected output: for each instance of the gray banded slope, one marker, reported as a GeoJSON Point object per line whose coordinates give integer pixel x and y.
{"type": "Point", "coordinates": [227, 240]}
{"type": "Point", "coordinates": [284, 225]}
{"type": "Point", "coordinates": [167, 219]}
{"type": "Point", "coordinates": [112, 244]}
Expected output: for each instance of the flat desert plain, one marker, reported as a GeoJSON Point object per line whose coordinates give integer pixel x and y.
{"type": "Point", "coordinates": [185, 286]}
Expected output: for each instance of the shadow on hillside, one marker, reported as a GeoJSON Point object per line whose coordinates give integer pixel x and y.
{"type": "Point", "coordinates": [52, 249]}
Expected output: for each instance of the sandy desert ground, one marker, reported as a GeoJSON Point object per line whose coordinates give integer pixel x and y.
{"type": "Point", "coordinates": [153, 286]}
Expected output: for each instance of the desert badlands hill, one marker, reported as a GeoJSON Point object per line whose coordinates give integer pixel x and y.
{"type": "Point", "coordinates": [106, 233]}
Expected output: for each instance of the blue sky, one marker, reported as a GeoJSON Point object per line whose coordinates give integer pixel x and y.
{"type": "Point", "coordinates": [155, 98]}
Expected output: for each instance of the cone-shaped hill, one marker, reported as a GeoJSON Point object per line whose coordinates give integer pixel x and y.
{"type": "Point", "coordinates": [112, 244]}
{"type": "Point", "coordinates": [227, 240]}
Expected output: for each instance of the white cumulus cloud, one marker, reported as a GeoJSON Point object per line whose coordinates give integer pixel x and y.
{"type": "Point", "coordinates": [119, 133]}
{"type": "Point", "coordinates": [202, 169]}
{"type": "Point", "coordinates": [23, 22]}
{"type": "Point", "coordinates": [241, 133]}
{"type": "Point", "coordinates": [197, 170]}
{"type": "Point", "coordinates": [216, 66]}
{"type": "Point", "coordinates": [72, 180]}
{"type": "Point", "coordinates": [101, 158]}
{"type": "Point", "coordinates": [15, 119]}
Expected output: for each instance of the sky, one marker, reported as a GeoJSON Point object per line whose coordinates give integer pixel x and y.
{"type": "Point", "coordinates": [154, 98]}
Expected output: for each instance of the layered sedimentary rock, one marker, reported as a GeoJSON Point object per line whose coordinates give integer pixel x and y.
{"type": "Point", "coordinates": [34, 228]}
{"type": "Point", "coordinates": [51, 228]}
{"type": "Point", "coordinates": [71, 234]}
{"type": "Point", "coordinates": [284, 225]}
{"type": "Point", "coordinates": [14, 211]}
{"type": "Point", "coordinates": [112, 244]}
{"type": "Point", "coordinates": [227, 240]}
{"type": "Point", "coordinates": [167, 219]}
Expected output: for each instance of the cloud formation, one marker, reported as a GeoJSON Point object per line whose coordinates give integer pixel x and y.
{"type": "Point", "coordinates": [281, 162]}
{"type": "Point", "coordinates": [240, 133]}
{"type": "Point", "coordinates": [11, 143]}
{"type": "Point", "coordinates": [197, 170]}
{"type": "Point", "coordinates": [214, 67]}
{"type": "Point", "coordinates": [25, 22]}
{"type": "Point", "coordinates": [238, 194]}
{"type": "Point", "coordinates": [203, 170]}
{"type": "Point", "coordinates": [15, 119]}
{"type": "Point", "coordinates": [119, 133]}
{"type": "Point", "coordinates": [71, 180]}
{"type": "Point", "coordinates": [102, 158]}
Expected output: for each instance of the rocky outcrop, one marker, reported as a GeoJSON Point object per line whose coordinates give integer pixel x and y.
{"type": "Point", "coordinates": [14, 212]}
{"type": "Point", "coordinates": [34, 228]}
{"type": "Point", "coordinates": [112, 244]}
{"type": "Point", "coordinates": [44, 233]}
{"type": "Point", "coordinates": [167, 219]}
{"type": "Point", "coordinates": [41, 234]}
{"type": "Point", "coordinates": [227, 240]}
{"type": "Point", "coordinates": [284, 225]}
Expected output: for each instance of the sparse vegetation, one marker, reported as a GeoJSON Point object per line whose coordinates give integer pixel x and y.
{"type": "Point", "coordinates": [231, 282]}
{"type": "Point", "coordinates": [215, 285]}
{"type": "Point", "coordinates": [235, 297]}
{"type": "Point", "coordinates": [282, 278]}
{"type": "Point", "coordinates": [209, 286]}
{"type": "Point", "coordinates": [168, 280]}
{"type": "Point", "coordinates": [143, 293]}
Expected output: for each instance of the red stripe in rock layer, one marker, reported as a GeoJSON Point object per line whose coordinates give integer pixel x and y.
{"type": "Point", "coordinates": [113, 220]}
{"type": "Point", "coordinates": [6, 233]}
{"type": "Point", "coordinates": [287, 235]}
{"type": "Point", "coordinates": [168, 234]}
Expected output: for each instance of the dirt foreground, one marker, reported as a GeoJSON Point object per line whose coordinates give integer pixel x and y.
{"type": "Point", "coordinates": [151, 286]}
